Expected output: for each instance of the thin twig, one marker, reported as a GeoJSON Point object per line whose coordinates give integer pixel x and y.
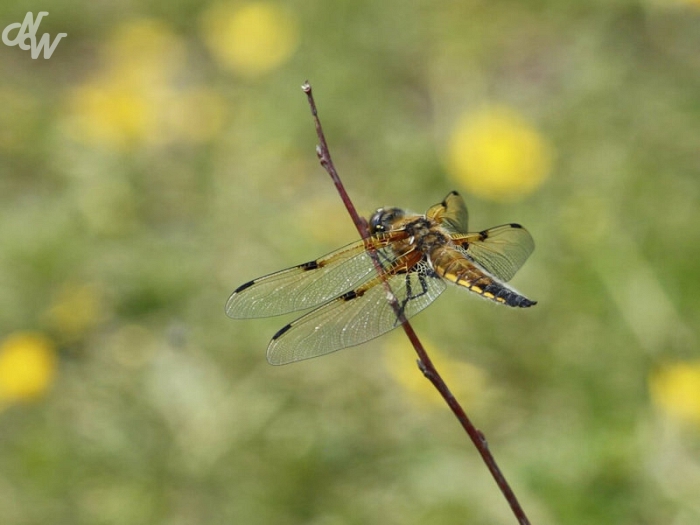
{"type": "Point", "coordinates": [424, 362]}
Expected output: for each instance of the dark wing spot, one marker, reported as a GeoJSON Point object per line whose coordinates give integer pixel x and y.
{"type": "Point", "coordinates": [281, 331]}
{"type": "Point", "coordinates": [311, 265]}
{"type": "Point", "coordinates": [444, 202]}
{"type": "Point", "coordinates": [244, 286]}
{"type": "Point", "coordinates": [349, 295]}
{"type": "Point", "coordinates": [514, 225]}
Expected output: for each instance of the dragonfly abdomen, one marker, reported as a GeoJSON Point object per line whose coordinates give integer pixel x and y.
{"type": "Point", "coordinates": [464, 273]}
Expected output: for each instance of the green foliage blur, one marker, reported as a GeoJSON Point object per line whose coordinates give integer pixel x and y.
{"type": "Point", "coordinates": [164, 155]}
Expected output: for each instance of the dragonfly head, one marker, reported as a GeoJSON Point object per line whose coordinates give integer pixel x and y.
{"type": "Point", "coordinates": [383, 219]}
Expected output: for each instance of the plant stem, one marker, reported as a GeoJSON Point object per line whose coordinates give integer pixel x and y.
{"type": "Point", "coordinates": [425, 364]}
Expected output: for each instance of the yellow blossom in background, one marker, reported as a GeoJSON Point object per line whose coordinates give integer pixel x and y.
{"type": "Point", "coordinates": [143, 51]}
{"type": "Point", "coordinates": [250, 39]}
{"type": "Point", "coordinates": [137, 96]}
{"type": "Point", "coordinates": [76, 310]}
{"type": "Point", "coordinates": [495, 154]}
{"type": "Point", "coordinates": [110, 116]}
{"type": "Point", "coordinates": [27, 366]}
{"type": "Point", "coordinates": [467, 382]}
{"type": "Point", "coordinates": [675, 389]}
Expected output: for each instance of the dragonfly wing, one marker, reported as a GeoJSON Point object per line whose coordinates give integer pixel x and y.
{"type": "Point", "coordinates": [501, 251]}
{"type": "Point", "coordinates": [306, 285]}
{"type": "Point", "coordinates": [356, 317]}
{"type": "Point", "coordinates": [451, 213]}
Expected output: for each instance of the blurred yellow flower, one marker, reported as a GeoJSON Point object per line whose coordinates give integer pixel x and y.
{"type": "Point", "coordinates": [142, 51]}
{"type": "Point", "coordinates": [252, 38]}
{"type": "Point", "coordinates": [76, 310]}
{"type": "Point", "coordinates": [467, 382]}
{"type": "Point", "coordinates": [136, 98]}
{"type": "Point", "coordinates": [27, 366]}
{"type": "Point", "coordinates": [110, 116]}
{"type": "Point", "coordinates": [675, 388]}
{"type": "Point", "coordinates": [496, 155]}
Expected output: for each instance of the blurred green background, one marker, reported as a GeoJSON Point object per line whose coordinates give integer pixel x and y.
{"type": "Point", "coordinates": [164, 155]}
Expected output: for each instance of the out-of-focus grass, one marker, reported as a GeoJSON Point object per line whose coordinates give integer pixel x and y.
{"type": "Point", "coordinates": [165, 154]}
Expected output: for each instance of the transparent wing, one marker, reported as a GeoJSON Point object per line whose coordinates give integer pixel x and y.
{"type": "Point", "coordinates": [501, 251]}
{"type": "Point", "coordinates": [355, 317]}
{"type": "Point", "coordinates": [451, 213]}
{"type": "Point", "coordinates": [309, 284]}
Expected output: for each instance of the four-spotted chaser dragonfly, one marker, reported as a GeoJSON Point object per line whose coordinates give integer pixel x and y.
{"type": "Point", "coordinates": [418, 254]}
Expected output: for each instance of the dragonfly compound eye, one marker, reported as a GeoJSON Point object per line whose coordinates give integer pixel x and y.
{"type": "Point", "coordinates": [383, 219]}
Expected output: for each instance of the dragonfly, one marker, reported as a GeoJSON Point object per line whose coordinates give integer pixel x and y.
{"type": "Point", "coordinates": [349, 299]}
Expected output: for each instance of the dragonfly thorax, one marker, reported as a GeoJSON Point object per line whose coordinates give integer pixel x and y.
{"type": "Point", "coordinates": [425, 234]}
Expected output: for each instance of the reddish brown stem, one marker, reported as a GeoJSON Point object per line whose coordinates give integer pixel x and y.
{"type": "Point", "coordinates": [424, 362]}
